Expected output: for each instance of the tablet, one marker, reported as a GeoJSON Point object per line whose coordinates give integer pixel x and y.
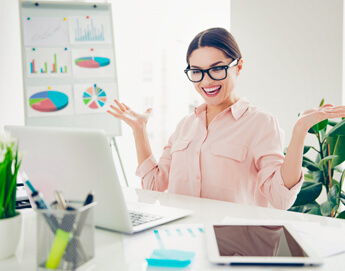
{"type": "Point", "coordinates": [258, 244]}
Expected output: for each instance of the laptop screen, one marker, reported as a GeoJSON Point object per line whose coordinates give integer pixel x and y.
{"type": "Point", "coordinates": [255, 240]}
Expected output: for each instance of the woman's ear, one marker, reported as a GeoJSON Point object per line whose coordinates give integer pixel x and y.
{"type": "Point", "coordinates": [239, 66]}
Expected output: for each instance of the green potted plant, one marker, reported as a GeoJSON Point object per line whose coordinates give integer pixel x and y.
{"type": "Point", "coordinates": [324, 171]}
{"type": "Point", "coordinates": [10, 219]}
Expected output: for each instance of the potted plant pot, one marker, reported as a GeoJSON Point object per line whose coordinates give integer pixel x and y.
{"type": "Point", "coordinates": [10, 230]}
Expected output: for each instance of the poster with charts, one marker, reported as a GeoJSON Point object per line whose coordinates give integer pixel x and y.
{"type": "Point", "coordinates": [93, 62]}
{"type": "Point", "coordinates": [45, 31]}
{"type": "Point", "coordinates": [47, 62]}
{"type": "Point", "coordinates": [50, 32]}
{"type": "Point", "coordinates": [89, 30]}
{"type": "Point", "coordinates": [93, 98]}
{"type": "Point", "coordinates": [47, 101]}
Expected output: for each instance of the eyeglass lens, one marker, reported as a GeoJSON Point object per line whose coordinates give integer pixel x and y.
{"type": "Point", "coordinates": [216, 73]}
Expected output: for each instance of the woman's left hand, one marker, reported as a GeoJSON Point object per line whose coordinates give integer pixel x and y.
{"type": "Point", "coordinates": [309, 118]}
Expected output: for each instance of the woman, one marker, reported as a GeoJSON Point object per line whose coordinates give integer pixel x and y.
{"type": "Point", "coordinates": [227, 149]}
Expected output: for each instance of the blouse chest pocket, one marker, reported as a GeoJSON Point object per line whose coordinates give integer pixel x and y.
{"type": "Point", "coordinates": [229, 150]}
{"type": "Point", "coordinates": [179, 158]}
{"type": "Point", "coordinates": [180, 146]}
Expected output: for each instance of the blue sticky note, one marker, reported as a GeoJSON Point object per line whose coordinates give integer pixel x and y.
{"type": "Point", "coordinates": [170, 258]}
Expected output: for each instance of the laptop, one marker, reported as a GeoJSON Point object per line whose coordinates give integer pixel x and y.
{"type": "Point", "coordinates": [77, 161]}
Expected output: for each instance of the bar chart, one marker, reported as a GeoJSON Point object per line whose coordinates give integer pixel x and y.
{"type": "Point", "coordinates": [54, 68]}
{"type": "Point", "coordinates": [89, 33]}
{"type": "Point", "coordinates": [46, 62]}
{"type": "Point", "coordinates": [89, 29]}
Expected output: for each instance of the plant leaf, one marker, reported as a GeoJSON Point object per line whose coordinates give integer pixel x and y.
{"type": "Point", "coordinates": [309, 177]}
{"type": "Point", "coordinates": [309, 164]}
{"type": "Point", "coordinates": [322, 102]}
{"type": "Point", "coordinates": [333, 194]}
{"type": "Point", "coordinates": [316, 210]}
{"type": "Point", "coordinates": [326, 208]}
{"type": "Point", "coordinates": [341, 180]}
{"type": "Point", "coordinates": [337, 147]}
{"type": "Point", "coordinates": [338, 129]}
{"type": "Point", "coordinates": [341, 215]}
{"type": "Point", "coordinates": [324, 161]}
{"type": "Point", "coordinates": [318, 127]}
{"type": "Point", "coordinates": [332, 122]}
{"type": "Point", "coordinates": [306, 149]}
{"type": "Point", "coordinates": [309, 192]}
{"type": "Point", "coordinates": [318, 177]}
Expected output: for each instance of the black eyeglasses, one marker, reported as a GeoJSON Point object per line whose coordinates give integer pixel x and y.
{"type": "Point", "coordinates": [216, 73]}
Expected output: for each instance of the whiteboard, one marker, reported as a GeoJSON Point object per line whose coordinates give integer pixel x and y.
{"type": "Point", "coordinates": [69, 67]}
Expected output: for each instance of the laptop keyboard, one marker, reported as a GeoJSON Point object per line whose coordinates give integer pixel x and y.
{"type": "Point", "coordinates": [139, 218]}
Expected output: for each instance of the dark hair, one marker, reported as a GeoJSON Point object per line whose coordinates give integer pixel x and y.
{"type": "Point", "coordinates": [216, 37]}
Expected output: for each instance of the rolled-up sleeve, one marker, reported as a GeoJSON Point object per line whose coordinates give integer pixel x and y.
{"type": "Point", "coordinates": [269, 158]}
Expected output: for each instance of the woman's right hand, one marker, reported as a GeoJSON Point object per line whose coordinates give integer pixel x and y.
{"type": "Point", "coordinates": [135, 120]}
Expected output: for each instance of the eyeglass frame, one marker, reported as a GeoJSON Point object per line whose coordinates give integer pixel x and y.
{"type": "Point", "coordinates": [226, 67]}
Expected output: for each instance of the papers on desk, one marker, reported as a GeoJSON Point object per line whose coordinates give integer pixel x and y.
{"type": "Point", "coordinates": [186, 237]}
{"type": "Point", "coordinates": [326, 241]}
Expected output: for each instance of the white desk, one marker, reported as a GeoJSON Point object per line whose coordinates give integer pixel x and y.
{"type": "Point", "coordinates": [109, 253]}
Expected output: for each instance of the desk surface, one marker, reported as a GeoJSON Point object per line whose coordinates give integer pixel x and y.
{"type": "Point", "coordinates": [110, 249]}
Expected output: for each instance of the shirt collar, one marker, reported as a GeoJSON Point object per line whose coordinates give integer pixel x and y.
{"type": "Point", "coordinates": [237, 109]}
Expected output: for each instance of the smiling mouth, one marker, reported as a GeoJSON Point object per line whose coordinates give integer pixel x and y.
{"type": "Point", "coordinates": [212, 91]}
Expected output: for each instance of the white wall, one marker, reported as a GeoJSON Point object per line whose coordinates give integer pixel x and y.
{"type": "Point", "coordinates": [11, 82]}
{"type": "Point", "coordinates": [292, 52]}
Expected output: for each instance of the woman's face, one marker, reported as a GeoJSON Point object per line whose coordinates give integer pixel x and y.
{"type": "Point", "coordinates": [215, 93]}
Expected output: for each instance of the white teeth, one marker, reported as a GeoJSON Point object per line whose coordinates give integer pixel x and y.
{"type": "Point", "coordinates": [208, 90]}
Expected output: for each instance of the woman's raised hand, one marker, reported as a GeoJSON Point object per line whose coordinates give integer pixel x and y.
{"type": "Point", "coordinates": [310, 117]}
{"type": "Point", "coordinates": [135, 120]}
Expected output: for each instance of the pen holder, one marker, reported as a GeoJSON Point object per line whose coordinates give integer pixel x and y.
{"type": "Point", "coordinates": [65, 238]}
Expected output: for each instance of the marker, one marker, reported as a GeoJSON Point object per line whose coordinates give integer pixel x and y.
{"type": "Point", "coordinates": [61, 240]}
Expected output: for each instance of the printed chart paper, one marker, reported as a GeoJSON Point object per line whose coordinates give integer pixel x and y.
{"type": "Point", "coordinates": [45, 31]}
{"type": "Point", "coordinates": [47, 101]}
{"type": "Point", "coordinates": [89, 29]}
{"type": "Point", "coordinates": [47, 62]}
{"type": "Point", "coordinates": [93, 98]}
{"type": "Point", "coordinates": [91, 63]}
{"type": "Point", "coordinates": [185, 237]}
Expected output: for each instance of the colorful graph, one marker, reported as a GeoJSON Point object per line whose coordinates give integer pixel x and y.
{"type": "Point", "coordinates": [92, 62]}
{"type": "Point", "coordinates": [94, 97]}
{"type": "Point", "coordinates": [44, 69]}
{"type": "Point", "coordinates": [89, 32]}
{"type": "Point", "coordinates": [48, 101]}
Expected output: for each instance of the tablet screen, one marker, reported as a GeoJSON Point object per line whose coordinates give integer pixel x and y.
{"type": "Point", "coordinates": [255, 240]}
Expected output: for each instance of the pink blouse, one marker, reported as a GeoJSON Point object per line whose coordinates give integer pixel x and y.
{"type": "Point", "coordinates": [237, 159]}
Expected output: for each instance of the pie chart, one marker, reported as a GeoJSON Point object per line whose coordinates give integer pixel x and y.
{"type": "Point", "coordinates": [48, 101]}
{"type": "Point", "coordinates": [94, 97]}
{"type": "Point", "coordinates": [92, 62]}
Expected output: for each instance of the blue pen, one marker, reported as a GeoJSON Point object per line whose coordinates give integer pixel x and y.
{"type": "Point", "coordinates": [42, 204]}
{"type": "Point", "coordinates": [37, 197]}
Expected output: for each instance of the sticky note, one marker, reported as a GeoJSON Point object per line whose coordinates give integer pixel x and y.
{"type": "Point", "coordinates": [170, 258]}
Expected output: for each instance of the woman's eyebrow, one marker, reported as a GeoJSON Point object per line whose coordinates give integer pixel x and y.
{"type": "Point", "coordinates": [212, 65]}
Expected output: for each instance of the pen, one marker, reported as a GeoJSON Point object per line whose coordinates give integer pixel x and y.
{"type": "Point", "coordinates": [60, 200]}
{"type": "Point", "coordinates": [89, 198]}
{"type": "Point", "coordinates": [42, 204]}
